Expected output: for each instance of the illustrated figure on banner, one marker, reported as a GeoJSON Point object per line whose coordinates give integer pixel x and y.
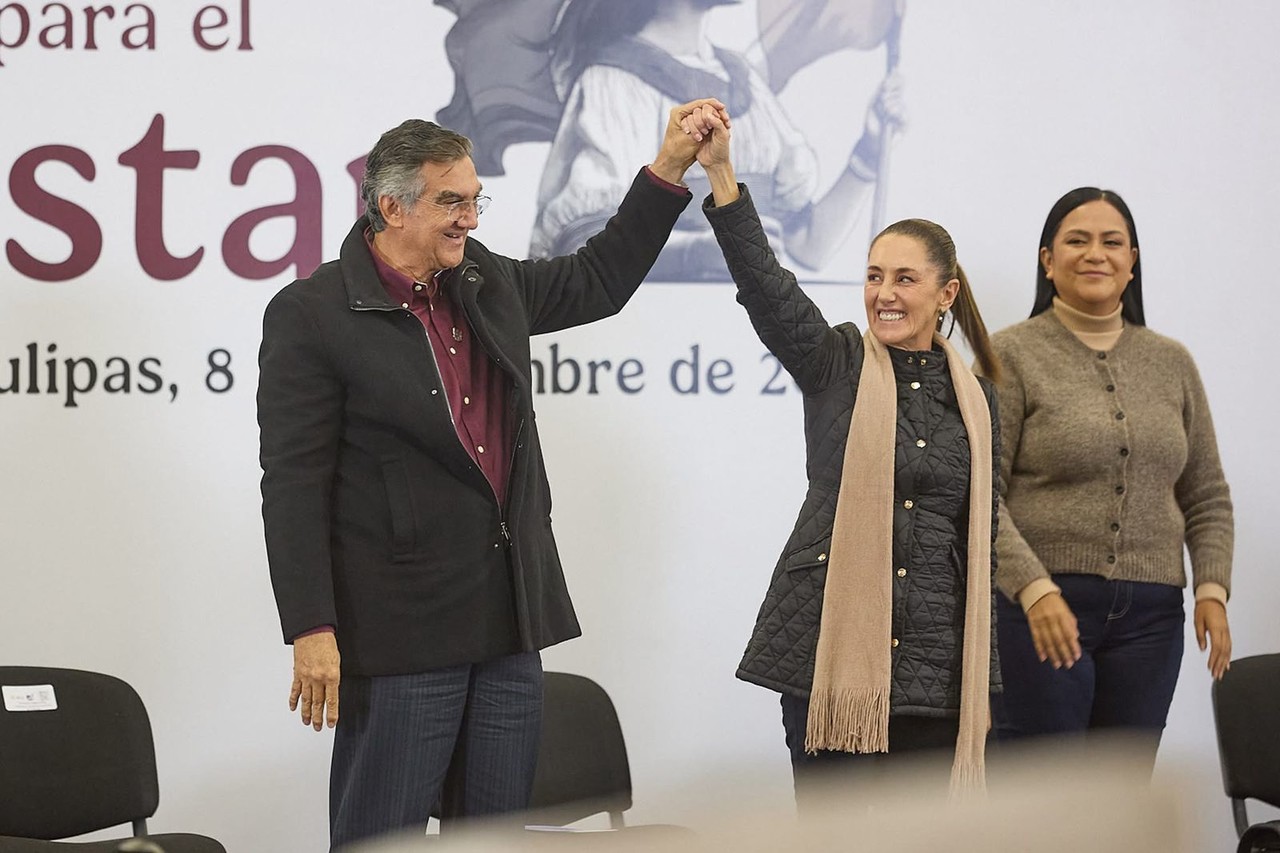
{"type": "Point", "coordinates": [601, 80]}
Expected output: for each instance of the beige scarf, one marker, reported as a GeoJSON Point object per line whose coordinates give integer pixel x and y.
{"type": "Point", "coordinates": [849, 704]}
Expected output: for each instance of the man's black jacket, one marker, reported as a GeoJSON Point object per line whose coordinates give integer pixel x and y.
{"type": "Point", "coordinates": [377, 520]}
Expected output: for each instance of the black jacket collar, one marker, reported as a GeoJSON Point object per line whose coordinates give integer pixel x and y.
{"type": "Point", "coordinates": [360, 277]}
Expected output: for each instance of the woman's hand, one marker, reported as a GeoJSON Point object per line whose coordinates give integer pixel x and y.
{"type": "Point", "coordinates": [679, 147]}
{"type": "Point", "coordinates": [708, 124]}
{"type": "Point", "coordinates": [1212, 630]}
{"type": "Point", "coordinates": [1054, 631]}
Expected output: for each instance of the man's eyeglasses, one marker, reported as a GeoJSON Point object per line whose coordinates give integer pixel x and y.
{"type": "Point", "coordinates": [457, 209]}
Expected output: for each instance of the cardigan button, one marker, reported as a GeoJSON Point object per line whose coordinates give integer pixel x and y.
{"type": "Point", "coordinates": [1102, 356]}
{"type": "Point", "coordinates": [1111, 558]}
{"type": "Point", "coordinates": [1111, 387]}
{"type": "Point", "coordinates": [1119, 416]}
{"type": "Point", "coordinates": [1124, 451]}
{"type": "Point", "coordinates": [1119, 490]}
{"type": "Point", "coordinates": [1115, 527]}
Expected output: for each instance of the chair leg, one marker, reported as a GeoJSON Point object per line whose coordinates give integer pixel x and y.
{"type": "Point", "coordinates": [1240, 815]}
{"type": "Point", "coordinates": [139, 845]}
{"type": "Point", "coordinates": [616, 820]}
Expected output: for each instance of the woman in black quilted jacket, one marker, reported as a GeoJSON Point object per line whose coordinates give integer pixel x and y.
{"type": "Point", "coordinates": [876, 628]}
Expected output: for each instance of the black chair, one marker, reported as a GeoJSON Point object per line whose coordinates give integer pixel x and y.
{"type": "Point", "coordinates": [1246, 712]}
{"type": "Point", "coordinates": [87, 764]}
{"type": "Point", "coordinates": [582, 761]}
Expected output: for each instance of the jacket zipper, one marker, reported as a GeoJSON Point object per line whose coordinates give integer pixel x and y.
{"type": "Point", "coordinates": [502, 510]}
{"type": "Point", "coordinates": [434, 364]}
{"type": "Point", "coordinates": [515, 444]}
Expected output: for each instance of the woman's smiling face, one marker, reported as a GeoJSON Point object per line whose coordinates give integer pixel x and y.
{"type": "Point", "coordinates": [903, 295]}
{"type": "Point", "coordinates": [1092, 257]}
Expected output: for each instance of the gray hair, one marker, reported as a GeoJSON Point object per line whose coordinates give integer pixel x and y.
{"type": "Point", "coordinates": [393, 166]}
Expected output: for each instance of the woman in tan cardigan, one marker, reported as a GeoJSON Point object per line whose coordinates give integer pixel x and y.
{"type": "Point", "coordinates": [1110, 467]}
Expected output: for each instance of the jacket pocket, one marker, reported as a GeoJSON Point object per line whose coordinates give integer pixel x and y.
{"type": "Point", "coordinates": [808, 556]}
{"type": "Point", "coordinates": [959, 564]}
{"type": "Point", "coordinates": [400, 508]}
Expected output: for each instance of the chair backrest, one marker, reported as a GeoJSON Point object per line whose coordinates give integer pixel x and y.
{"type": "Point", "coordinates": [86, 765]}
{"type": "Point", "coordinates": [1246, 711]}
{"type": "Point", "coordinates": [582, 761]}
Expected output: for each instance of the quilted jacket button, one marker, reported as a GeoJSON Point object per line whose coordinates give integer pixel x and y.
{"type": "Point", "coordinates": [902, 573]}
{"type": "Point", "coordinates": [895, 642]}
{"type": "Point", "coordinates": [908, 504]}
{"type": "Point", "coordinates": [822, 557]}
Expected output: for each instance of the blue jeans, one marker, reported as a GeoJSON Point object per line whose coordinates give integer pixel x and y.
{"type": "Point", "coordinates": [1131, 639]}
{"type": "Point", "coordinates": [465, 735]}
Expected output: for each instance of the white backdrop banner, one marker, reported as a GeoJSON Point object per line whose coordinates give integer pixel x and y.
{"type": "Point", "coordinates": [171, 165]}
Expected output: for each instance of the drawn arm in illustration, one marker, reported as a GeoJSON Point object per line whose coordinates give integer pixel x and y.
{"type": "Point", "coordinates": [619, 67]}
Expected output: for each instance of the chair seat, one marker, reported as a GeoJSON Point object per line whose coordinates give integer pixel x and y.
{"type": "Point", "coordinates": [1261, 838]}
{"type": "Point", "coordinates": [174, 842]}
{"type": "Point", "coordinates": [83, 760]}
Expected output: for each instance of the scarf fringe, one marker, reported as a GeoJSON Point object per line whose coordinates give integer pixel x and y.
{"type": "Point", "coordinates": [848, 721]}
{"type": "Point", "coordinates": [968, 778]}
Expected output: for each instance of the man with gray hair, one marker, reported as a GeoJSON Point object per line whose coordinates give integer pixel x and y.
{"type": "Point", "coordinates": [404, 497]}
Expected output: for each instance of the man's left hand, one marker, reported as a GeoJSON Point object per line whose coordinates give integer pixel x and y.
{"type": "Point", "coordinates": [679, 148]}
